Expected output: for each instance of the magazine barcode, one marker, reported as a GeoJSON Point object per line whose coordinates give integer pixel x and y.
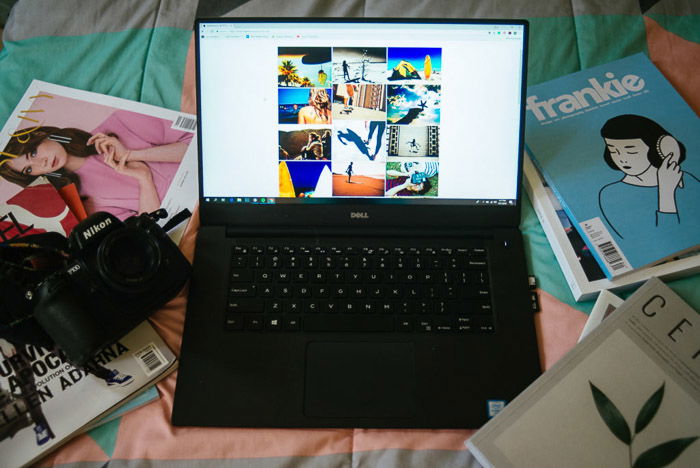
{"type": "Point", "coordinates": [188, 124]}
{"type": "Point", "coordinates": [150, 359]}
{"type": "Point", "coordinates": [612, 255]}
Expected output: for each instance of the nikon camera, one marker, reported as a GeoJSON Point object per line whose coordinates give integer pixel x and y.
{"type": "Point", "coordinates": [119, 273]}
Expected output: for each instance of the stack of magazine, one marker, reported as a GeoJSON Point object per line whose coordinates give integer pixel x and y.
{"type": "Point", "coordinates": [65, 154]}
{"type": "Point", "coordinates": [613, 175]}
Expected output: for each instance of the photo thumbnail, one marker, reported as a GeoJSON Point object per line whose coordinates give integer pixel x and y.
{"type": "Point", "coordinates": [303, 179]}
{"type": "Point", "coordinates": [305, 144]}
{"type": "Point", "coordinates": [413, 104]}
{"type": "Point", "coordinates": [410, 64]}
{"type": "Point", "coordinates": [357, 178]}
{"type": "Point", "coordinates": [360, 140]}
{"type": "Point", "coordinates": [359, 102]}
{"type": "Point", "coordinates": [411, 179]}
{"type": "Point", "coordinates": [308, 67]}
{"type": "Point", "coordinates": [413, 141]}
{"type": "Point", "coordinates": [359, 65]}
{"type": "Point", "coordinates": [304, 105]}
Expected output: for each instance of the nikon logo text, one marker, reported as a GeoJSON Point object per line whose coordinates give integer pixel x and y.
{"type": "Point", "coordinates": [92, 230]}
{"type": "Point", "coordinates": [359, 215]}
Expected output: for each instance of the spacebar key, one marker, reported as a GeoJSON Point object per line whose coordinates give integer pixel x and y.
{"type": "Point", "coordinates": [347, 323]}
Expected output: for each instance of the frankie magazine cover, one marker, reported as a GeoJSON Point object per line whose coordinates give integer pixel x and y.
{"type": "Point", "coordinates": [621, 150]}
{"type": "Point", "coordinates": [124, 157]}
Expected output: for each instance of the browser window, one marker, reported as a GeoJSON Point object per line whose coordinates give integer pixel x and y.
{"type": "Point", "coordinates": [391, 113]}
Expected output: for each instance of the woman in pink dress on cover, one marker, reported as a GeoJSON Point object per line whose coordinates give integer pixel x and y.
{"type": "Point", "coordinates": [124, 166]}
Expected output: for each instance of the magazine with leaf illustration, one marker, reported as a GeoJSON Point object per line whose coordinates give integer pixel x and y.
{"type": "Point", "coordinates": [619, 147]}
{"type": "Point", "coordinates": [628, 394]}
{"type": "Point", "coordinates": [122, 156]}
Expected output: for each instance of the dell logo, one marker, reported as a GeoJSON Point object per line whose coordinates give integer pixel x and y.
{"type": "Point", "coordinates": [359, 215]}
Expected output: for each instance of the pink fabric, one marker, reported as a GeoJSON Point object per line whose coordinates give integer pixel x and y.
{"type": "Point", "coordinates": [107, 190]}
{"type": "Point", "coordinates": [677, 59]}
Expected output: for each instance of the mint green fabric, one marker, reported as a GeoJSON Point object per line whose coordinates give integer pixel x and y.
{"type": "Point", "coordinates": [145, 65]}
{"type": "Point", "coordinates": [106, 436]}
{"type": "Point", "coordinates": [547, 59]}
{"type": "Point", "coordinates": [602, 39]}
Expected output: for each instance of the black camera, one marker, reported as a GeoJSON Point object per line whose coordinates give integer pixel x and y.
{"type": "Point", "coordinates": [418, 177]}
{"type": "Point", "coordinates": [119, 273]}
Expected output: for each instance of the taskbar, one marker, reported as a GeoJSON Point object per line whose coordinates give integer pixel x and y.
{"type": "Point", "coordinates": [354, 200]}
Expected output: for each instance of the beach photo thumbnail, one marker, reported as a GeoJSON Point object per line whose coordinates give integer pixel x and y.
{"type": "Point", "coordinates": [359, 102]}
{"type": "Point", "coordinates": [308, 67]}
{"type": "Point", "coordinates": [359, 65]}
{"type": "Point", "coordinates": [413, 104]}
{"type": "Point", "coordinates": [411, 179]}
{"type": "Point", "coordinates": [305, 144]}
{"type": "Point", "coordinates": [304, 105]}
{"type": "Point", "coordinates": [410, 64]}
{"type": "Point", "coordinates": [357, 178]}
{"type": "Point", "coordinates": [303, 179]}
{"type": "Point", "coordinates": [413, 141]}
{"type": "Point", "coordinates": [360, 140]}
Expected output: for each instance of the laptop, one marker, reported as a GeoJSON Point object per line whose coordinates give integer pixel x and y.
{"type": "Point", "coordinates": [359, 262]}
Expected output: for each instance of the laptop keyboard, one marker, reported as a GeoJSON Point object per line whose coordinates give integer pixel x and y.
{"type": "Point", "coordinates": [349, 289]}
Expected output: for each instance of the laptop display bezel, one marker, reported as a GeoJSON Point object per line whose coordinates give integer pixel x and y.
{"type": "Point", "coordinates": [351, 212]}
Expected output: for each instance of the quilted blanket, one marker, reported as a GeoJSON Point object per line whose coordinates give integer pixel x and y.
{"type": "Point", "coordinates": [142, 50]}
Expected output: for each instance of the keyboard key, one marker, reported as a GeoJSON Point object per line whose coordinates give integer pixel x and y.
{"type": "Point", "coordinates": [291, 323]}
{"type": "Point", "coordinates": [348, 323]}
{"type": "Point", "coordinates": [243, 290]}
{"type": "Point", "coordinates": [245, 305]}
{"type": "Point", "coordinates": [234, 322]}
{"type": "Point", "coordinates": [253, 323]}
{"type": "Point", "coordinates": [273, 323]}
{"type": "Point", "coordinates": [241, 276]}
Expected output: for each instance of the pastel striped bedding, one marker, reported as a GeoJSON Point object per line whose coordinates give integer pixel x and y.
{"type": "Point", "coordinates": [142, 50]}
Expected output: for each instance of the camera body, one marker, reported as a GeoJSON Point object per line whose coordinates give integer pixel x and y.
{"type": "Point", "coordinates": [418, 177]}
{"type": "Point", "coordinates": [119, 273]}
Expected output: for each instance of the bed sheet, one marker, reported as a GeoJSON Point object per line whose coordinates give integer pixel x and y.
{"type": "Point", "coordinates": [142, 50]}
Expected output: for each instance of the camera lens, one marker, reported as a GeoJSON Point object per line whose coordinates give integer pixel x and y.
{"type": "Point", "coordinates": [128, 260]}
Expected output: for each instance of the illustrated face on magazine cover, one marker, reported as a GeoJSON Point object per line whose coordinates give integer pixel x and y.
{"type": "Point", "coordinates": [630, 155]}
{"type": "Point", "coordinates": [653, 186]}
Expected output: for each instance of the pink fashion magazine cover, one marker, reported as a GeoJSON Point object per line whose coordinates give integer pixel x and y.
{"type": "Point", "coordinates": [124, 157]}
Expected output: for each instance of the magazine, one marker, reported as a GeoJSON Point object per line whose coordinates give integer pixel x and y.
{"type": "Point", "coordinates": [605, 305]}
{"type": "Point", "coordinates": [583, 275]}
{"type": "Point", "coordinates": [627, 395]}
{"type": "Point", "coordinates": [617, 145]}
{"type": "Point", "coordinates": [124, 157]}
{"type": "Point", "coordinates": [44, 400]}
{"type": "Point", "coordinates": [36, 209]}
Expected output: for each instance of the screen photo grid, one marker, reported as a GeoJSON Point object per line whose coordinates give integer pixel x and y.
{"type": "Point", "coordinates": [359, 121]}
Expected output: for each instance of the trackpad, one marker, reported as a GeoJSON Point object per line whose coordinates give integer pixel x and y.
{"type": "Point", "coordinates": [361, 380]}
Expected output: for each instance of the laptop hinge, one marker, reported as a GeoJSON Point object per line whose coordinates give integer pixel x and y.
{"type": "Point", "coordinates": [330, 231]}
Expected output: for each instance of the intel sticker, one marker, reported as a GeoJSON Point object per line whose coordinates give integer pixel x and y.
{"type": "Point", "coordinates": [494, 407]}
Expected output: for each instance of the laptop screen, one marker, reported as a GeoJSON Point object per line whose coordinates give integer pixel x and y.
{"type": "Point", "coordinates": [360, 112]}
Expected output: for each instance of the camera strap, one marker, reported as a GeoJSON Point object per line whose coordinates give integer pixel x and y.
{"type": "Point", "coordinates": [24, 263]}
{"type": "Point", "coordinates": [176, 219]}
